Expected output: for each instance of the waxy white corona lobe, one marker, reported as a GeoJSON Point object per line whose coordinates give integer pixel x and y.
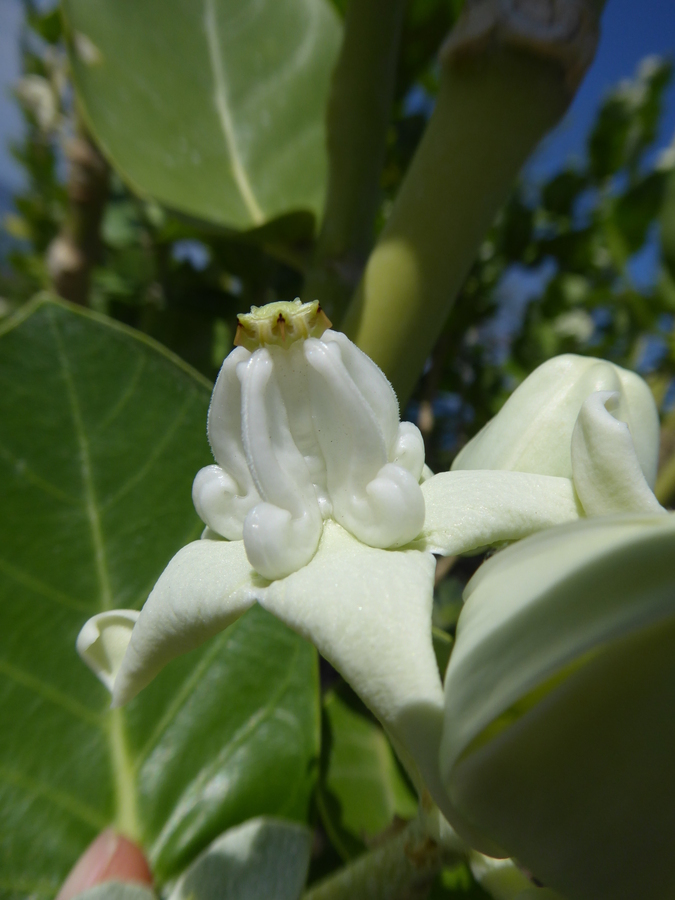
{"type": "Point", "coordinates": [303, 429]}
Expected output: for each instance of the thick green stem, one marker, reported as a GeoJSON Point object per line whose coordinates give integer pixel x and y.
{"type": "Point", "coordinates": [403, 865]}
{"type": "Point", "coordinates": [503, 87]}
{"type": "Point", "coordinates": [358, 117]}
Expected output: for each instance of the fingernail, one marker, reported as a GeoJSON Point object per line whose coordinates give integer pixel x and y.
{"type": "Point", "coordinates": [110, 857]}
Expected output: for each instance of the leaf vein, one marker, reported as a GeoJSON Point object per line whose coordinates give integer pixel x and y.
{"type": "Point", "coordinates": [125, 788]}
{"type": "Point", "coordinates": [126, 395]}
{"type": "Point", "coordinates": [181, 698]}
{"type": "Point", "coordinates": [156, 452]}
{"type": "Point", "coordinates": [21, 468]}
{"type": "Point", "coordinates": [194, 790]}
{"type": "Point", "coordinates": [90, 502]}
{"type": "Point", "coordinates": [49, 693]}
{"type": "Point", "coordinates": [42, 588]}
{"type": "Point", "coordinates": [222, 104]}
{"type": "Point", "coordinates": [62, 799]}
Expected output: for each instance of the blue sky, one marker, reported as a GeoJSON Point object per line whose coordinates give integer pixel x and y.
{"type": "Point", "coordinates": [630, 31]}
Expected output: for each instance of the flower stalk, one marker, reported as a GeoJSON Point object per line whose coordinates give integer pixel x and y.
{"type": "Point", "coordinates": [358, 118]}
{"type": "Point", "coordinates": [406, 863]}
{"type": "Point", "coordinates": [508, 73]}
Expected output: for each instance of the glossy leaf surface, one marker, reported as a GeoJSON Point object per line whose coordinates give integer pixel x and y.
{"type": "Point", "coordinates": [259, 860]}
{"type": "Point", "coordinates": [363, 787]}
{"type": "Point", "coordinates": [216, 107]}
{"type": "Point", "coordinates": [101, 432]}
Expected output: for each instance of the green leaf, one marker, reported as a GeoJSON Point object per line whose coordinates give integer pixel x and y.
{"type": "Point", "coordinates": [442, 642]}
{"type": "Point", "coordinates": [362, 788]}
{"type": "Point", "coordinates": [457, 883]}
{"type": "Point", "coordinates": [628, 120]}
{"type": "Point", "coordinates": [667, 223]}
{"type": "Point", "coordinates": [259, 860]}
{"type": "Point", "coordinates": [215, 107]}
{"type": "Point", "coordinates": [560, 193]}
{"type": "Point", "coordinates": [608, 140]}
{"type": "Point", "coordinates": [117, 890]}
{"type": "Point", "coordinates": [101, 433]}
{"type": "Point", "coordinates": [637, 209]}
{"type": "Point", "coordinates": [517, 228]}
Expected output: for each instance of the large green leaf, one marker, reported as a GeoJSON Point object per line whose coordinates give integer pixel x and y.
{"type": "Point", "coordinates": [117, 890]}
{"type": "Point", "coordinates": [101, 433]}
{"type": "Point", "coordinates": [362, 788]}
{"type": "Point", "coordinates": [214, 107]}
{"type": "Point", "coordinates": [264, 859]}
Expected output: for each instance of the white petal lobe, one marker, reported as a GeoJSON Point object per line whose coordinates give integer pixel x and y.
{"type": "Point", "coordinates": [373, 384]}
{"type": "Point", "coordinates": [377, 501]}
{"type": "Point", "coordinates": [219, 504]}
{"type": "Point", "coordinates": [224, 494]}
{"type": "Point", "coordinates": [469, 510]}
{"type": "Point", "coordinates": [205, 587]}
{"type": "Point", "coordinates": [368, 611]}
{"type": "Point", "coordinates": [607, 474]}
{"type": "Point", "coordinates": [409, 449]}
{"type": "Point", "coordinates": [103, 641]}
{"type": "Point", "coordinates": [282, 533]}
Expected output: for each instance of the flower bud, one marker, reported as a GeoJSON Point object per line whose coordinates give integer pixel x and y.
{"type": "Point", "coordinates": [558, 735]}
{"type": "Point", "coordinates": [533, 430]}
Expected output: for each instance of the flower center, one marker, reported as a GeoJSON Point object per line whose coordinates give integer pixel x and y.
{"type": "Point", "coordinates": [280, 324]}
{"type": "Point", "coordinates": [304, 426]}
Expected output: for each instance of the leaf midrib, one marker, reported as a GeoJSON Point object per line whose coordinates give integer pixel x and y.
{"type": "Point", "coordinates": [225, 119]}
{"type": "Point", "coordinates": [126, 817]}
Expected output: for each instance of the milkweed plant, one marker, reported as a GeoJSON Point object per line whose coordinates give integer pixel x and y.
{"type": "Point", "coordinates": [528, 755]}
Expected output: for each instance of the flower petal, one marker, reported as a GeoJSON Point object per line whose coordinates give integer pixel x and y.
{"type": "Point", "coordinates": [532, 431]}
{"type": "Point", "coordinates": [205, 587]}
{"type": "Point", "coordinates": [558, 699]}
{"type": "Point", "coordinates": [103, 640]}
{"type": "Point", "coordinates": [282, 533]}
{"type": "Point", "coordinates": [223, 494]}
{"type": "Point", "coordinates": [607, 473]}
{"type": "Point", "coordinates": [540, 605]}
{"type": "Point", "coordinates": [378, 501]}
{"type": "Point", "coordinates": [368, 611]}
{"type": "Point", "coordinates": [469, 510]}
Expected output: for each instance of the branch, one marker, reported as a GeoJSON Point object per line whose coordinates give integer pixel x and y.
{"type": "Point", "coordinates": [358, 117]}
{"type": "Point", "coordinates": [403, 865]}
{"type": "Point", "coordinates": [77, 247]}
{"type": "Point", "coordinates": [509, 71]}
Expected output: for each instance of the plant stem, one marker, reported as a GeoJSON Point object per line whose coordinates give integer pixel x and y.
{"type": "Point", "coordinates": [77, 247]}
{"type": "Point", "coordinates": [403, 865]}
{"type": "Point", "coordinates": [504, 85]}
{"type": "Point", "coordinates": [358, 117]}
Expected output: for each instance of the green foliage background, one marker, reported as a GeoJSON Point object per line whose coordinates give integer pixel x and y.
{"type": "Point", "coordinates": [102, 428]}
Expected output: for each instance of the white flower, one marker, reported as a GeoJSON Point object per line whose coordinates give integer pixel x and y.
{"type": "Point", "coordinates": [559, 729]}
{"type": "Point", "coordinates": [315, 510]}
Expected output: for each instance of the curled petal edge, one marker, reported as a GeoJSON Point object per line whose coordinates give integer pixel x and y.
{"type": "Point", "coordinates": [470, 510]}
{"type": "Point", "coordinates": [103, 641]}
{"type": "Point", "coordinates": [606, 470]}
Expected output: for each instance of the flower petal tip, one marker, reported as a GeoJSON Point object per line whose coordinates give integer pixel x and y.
{"type": "Point", "coordinates": [103, 641]}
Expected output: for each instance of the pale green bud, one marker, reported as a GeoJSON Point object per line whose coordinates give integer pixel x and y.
{"type": "Point", "coordinates": [533, 430]}
{"type": "Point", "coordinates": [559, 730]}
